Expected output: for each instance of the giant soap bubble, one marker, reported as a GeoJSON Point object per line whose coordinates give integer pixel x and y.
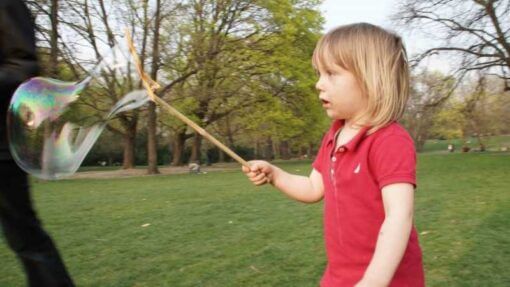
{"type": "Point", "coordinates": [53, 124]}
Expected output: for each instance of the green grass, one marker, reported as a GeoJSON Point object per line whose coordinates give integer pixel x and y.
{"type": "Point", "coordinates": [218, 230]}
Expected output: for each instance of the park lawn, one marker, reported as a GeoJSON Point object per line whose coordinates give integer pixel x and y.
{"type": "Point", "coordinates": [217, 229]}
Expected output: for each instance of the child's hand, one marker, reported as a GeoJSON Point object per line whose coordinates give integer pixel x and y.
{"type": "Point", "coordinates": [260, 172]}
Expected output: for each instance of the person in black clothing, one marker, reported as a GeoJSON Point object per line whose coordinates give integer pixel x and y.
{"type": "Point", "coordinates": [20, 225]}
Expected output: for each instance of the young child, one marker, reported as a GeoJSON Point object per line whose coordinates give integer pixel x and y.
{"type": "Point", "coordinates": [366, 166]}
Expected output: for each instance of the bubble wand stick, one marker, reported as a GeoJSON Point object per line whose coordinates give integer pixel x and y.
{"type": "Point", "coordinates": [150, 85]}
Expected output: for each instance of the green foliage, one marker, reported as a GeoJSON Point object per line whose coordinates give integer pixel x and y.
{"type": "Point", "coordinates": [294, 112]}
{"type": "Point", "coordinates": [223, 59]}
{"type": "Point", "coordinates": [258, 76]}
{"type": "Point", "coordinates": [428, 94]}
{"type": "Point", "coordinates": [449, 122]}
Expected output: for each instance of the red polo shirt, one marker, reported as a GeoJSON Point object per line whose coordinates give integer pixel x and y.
{"type": "Point", "coordinates": [353, 177]}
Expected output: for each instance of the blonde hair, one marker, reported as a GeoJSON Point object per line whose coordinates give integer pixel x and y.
{"type": "Point", "coordinates": [378, 60]}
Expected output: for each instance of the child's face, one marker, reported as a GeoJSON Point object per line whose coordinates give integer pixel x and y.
{"type": "Point", "coordinates": [340, 93]}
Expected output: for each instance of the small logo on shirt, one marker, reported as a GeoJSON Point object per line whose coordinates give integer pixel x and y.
{"type": "Point", "coordinates": [357, 169]}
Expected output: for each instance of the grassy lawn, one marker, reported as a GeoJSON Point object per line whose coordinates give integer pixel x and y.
{"type": "Point", "coordinates": [218, 230]}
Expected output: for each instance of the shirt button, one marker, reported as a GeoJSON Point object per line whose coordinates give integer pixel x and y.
{"type": "Point", "coordinates": [332, 171]}
{"type": "Point", "coordinates": [341, 149]}
{"type": "Point", "coordinates": [333, 159]}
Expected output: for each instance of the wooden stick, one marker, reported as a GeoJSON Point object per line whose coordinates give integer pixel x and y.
{"type": "Point", "coordinates": [150, 85]}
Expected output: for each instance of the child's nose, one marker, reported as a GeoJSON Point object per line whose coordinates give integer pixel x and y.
{"type": "Point", "coordinates": [319, 85]}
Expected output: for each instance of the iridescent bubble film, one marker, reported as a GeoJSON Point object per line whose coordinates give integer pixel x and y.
{"type": "Point", "coordinates": [53, 124]}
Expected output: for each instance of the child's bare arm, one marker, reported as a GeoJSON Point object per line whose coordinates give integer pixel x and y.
{"type": "Point", "coordinates": [394, 235]}
{"type": "Point", "coordinates": [305, 189]}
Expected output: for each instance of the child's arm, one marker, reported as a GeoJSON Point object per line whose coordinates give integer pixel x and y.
{"type": "Point", "coordinates": [305, 189]}
{"type": "Point", "coordinates": [398, 200]}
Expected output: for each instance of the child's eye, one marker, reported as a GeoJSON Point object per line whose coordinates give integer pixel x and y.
{"type": "Point", "coordinates": [325, 72]}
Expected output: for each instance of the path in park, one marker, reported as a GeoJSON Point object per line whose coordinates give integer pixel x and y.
{"type": "Point", "coordinates": [165, 170]}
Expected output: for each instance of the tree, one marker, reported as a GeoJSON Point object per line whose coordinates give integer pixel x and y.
{"type": "Point", "coordinates": [152, 154]}
{"type": "Point", "coordinates": [449, 122]}
{"type": "Point", "coordinates": [477, 108]}
{"type": "Point", "coordinates": [54, 37]}
{"type": "Point", "coordinates": [224, 39]}
{"type": "Point", "coordinates": [217, 62]}
{"type": "Point", "coordinates": [484, 110]}
{"type": "Point", "coordinates": [429, 93]}
{"type": "Point", "coordinates": [249, 54]}
{"type": "Point", "coordinates": [87, 28]}
{"type": "Point", "coordinates": [477, 30]}
{"type": "Point", "coordinates": [165, 16]}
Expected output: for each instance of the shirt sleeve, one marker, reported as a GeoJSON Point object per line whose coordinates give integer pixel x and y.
{"type": "Point", "coordinates": [319, 159]}
{"type": "Point", "coordinates": [393, 160]}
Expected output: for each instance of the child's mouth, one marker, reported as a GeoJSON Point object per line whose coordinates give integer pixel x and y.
{"type": "Point", "coordinates": [324, 102]}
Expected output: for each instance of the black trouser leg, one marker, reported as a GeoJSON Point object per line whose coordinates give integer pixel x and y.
{"type": "Point", "coordinates": [24, 233]}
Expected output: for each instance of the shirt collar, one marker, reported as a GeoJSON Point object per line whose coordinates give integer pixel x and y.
{"type": "Point", "coordinates": [354, 142]}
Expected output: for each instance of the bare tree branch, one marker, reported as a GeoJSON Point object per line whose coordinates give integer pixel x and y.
{"type": "Point", "coordinates": [478, 31]}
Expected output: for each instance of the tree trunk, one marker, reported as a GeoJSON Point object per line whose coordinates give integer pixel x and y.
{"type": "Point", "coordinates": [310, 152]}
{"type": "Point", "coordinates": [276, 150]}
{"type": "Point", "coordinates": [54, 39]}
{"type": "Point", "coordinates": [152, 145]}
{"type": "Point", "coordinates": [48, 126]}
{"type": "Point", "coordinates": [284, 150]}
{"type": "Point", "coordinates": [152, 152]}
{"type": "Point", "coordinates": [221, 155]}
{"type": "Point", "coordinates": [129, 149]}
{"type": "Point", "coordinates": [178, 149]}
{"type": "Point", "coordinates": [258, 149]}
{"type": "Point", "coordinates": [268, 151]}
{"type": "Point", "coordinates": [420, 135]}
{"type": "Point", "coordinates": [230, 134]}
{"type": "Point", "coordinates": [195, 150]}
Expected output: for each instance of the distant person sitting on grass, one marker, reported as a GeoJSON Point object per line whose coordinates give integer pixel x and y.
{"type": "Point", "coordinates": [366, 167]}
{"type": "Point", "coordinates": [194, 168]}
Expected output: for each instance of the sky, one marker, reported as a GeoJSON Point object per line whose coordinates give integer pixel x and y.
{"type": "Point", "coordinates": [378, 12]}
{"type": "Point", "coordinates": [339, 12]}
